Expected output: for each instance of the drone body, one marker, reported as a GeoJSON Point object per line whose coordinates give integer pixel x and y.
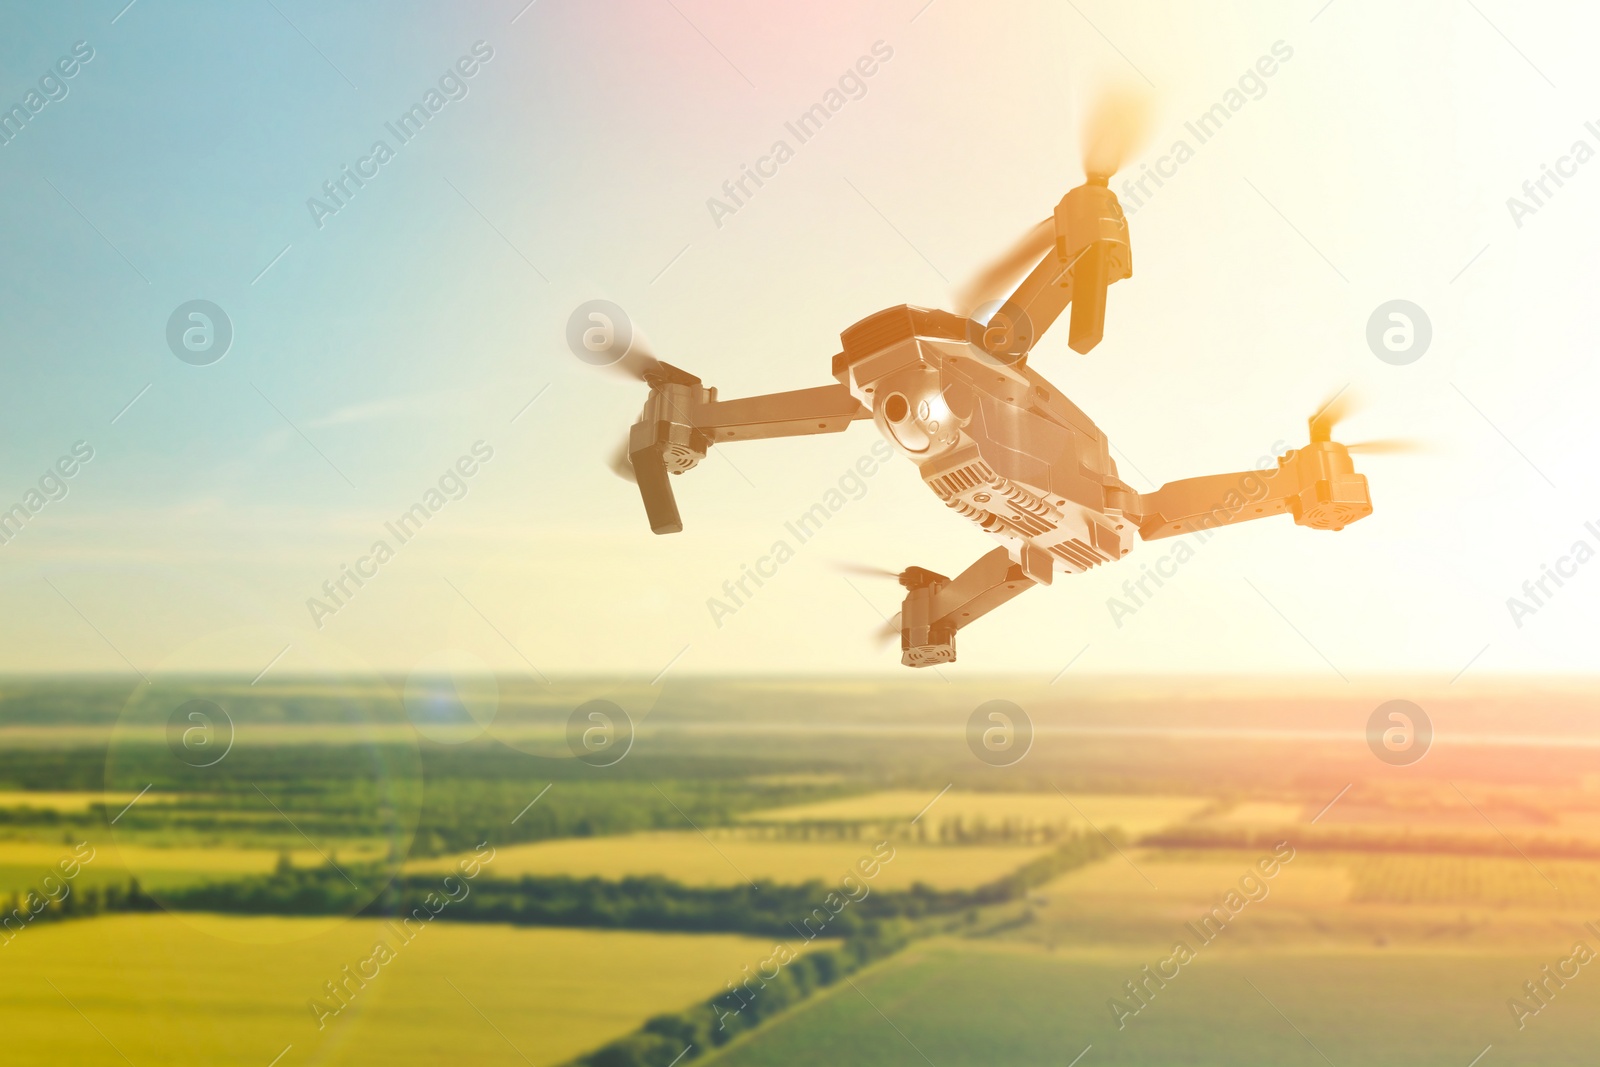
{"type": "Point", "coordinates": [992, 438]}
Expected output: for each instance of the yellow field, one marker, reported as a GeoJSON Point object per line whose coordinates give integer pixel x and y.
{"type": "Point", "coordinates": [67, 801]}
{"type": "Point", "coordinates": [24, 863]}
{"type": "Point", "coordinates": [1263, 813]}
{"type": "Point", "coordinates": [728, 859]}
{"type": "Point", "coordinates": [1501, 882]}
{"type": "Point", "coordinates": [1327, 880]}
{"type": "Point", "coordinates": [1173, 879]}
{"type": "Point", "coordinates": [161, 993]}
{"type": "Point", "coordinates": [1133, 814]}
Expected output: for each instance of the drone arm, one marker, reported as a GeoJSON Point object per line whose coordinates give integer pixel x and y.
{"type": "Point", "coordinates": [1317, 484]}
{"type": "Point", "coordinates": [683, 418]}
{"type": "Point", "coordinates": [825, 409]}
{"type": "Point", "coordinates": [936, 607]}
{"type": "Point", "coordinates": [1090, 252]}
{"type": "Point", "coordinates": [1215, 500]}
{"type": "Point", "coordinates": [978, 590]}
{"type": "Point", "coordinates": [1041, 298]}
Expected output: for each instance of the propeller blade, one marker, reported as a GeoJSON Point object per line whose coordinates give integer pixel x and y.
{"type": "Point", "coordinates": [997, 277]}
{"type": "Point", "coordinates": [1392, 446]}
{"type": "Point", "coordinates": [865, 570]}
{"type": "Point", "coordinates": [889, 631]}
{"type": "Point", "coordinates": [1333, 411]}
{"type": "Point", "coordinates": [620, 464]}
{"type": "Point", "coordinates": [1114, 130]}
{"type": "Point", "coordinates": [637, 361]}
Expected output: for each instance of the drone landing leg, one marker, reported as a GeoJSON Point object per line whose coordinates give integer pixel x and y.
{"type": "Point", "coordinates": [936, 607]}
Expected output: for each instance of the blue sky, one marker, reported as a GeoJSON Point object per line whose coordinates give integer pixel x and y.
{"type": "Point", "coordinates": [372, 352]}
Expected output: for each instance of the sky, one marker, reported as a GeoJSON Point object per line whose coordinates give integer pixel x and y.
{"type": "Point", "coordinates": [422, 324]}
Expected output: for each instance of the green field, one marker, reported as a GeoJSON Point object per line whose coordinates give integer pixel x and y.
{"type": "Point", "coordinates": [954, 1004]}
{"type": "Point", "coordinates": [1018, 902]}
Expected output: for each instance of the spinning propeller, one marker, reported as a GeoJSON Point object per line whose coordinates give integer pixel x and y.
{"type": "Point", "coordinates": [642, 456]}
{"type": "Point", "coordinates": [866, 570]}
{"type": "Point", "coordinates": [639, 364]}
{"type": "Point", "coordinates": [1339, 407]}
{"type": "Point", "coordinates": [1112, 131]}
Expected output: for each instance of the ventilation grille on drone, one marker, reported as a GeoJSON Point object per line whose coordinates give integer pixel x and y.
{"type": "Point", "coordinates": [1334, 515]}
{"type": "Point", "coordinates": [963, 478]}
{"type": "Point", "coordinates": [1029, 525]}
{"type": "Point", "coordinates": [678, 458]}
{"type": "Point", "coordinates": [1026, 502]}
{"type": "Point", "coordinates": [1078, 554]}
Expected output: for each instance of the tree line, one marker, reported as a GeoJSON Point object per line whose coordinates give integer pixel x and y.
{"type": "Point", "coordinates": [681, 1036]}
{"type": "Point", "coordinates": [868, 929]}
{"type": "Point", "coordinates": [22, 910]}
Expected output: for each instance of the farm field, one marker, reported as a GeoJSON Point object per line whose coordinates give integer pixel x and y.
{"type": "Point", "coordinates": [24, 863]}
{"type": "Point", "coordinates": [1167, 878]}
{"type": "Point", "coordinates": [1522, 812]}
{"type": "Point", "coordinates": [979, 1004]}
{"type": "Point", "coordinates": [730, 858]}
{"type": "Point", "coordinates": [162, 994]}
{"type": "Point", "coordinates": [1133, 814]}
{"type": "Point", "coordinates": [1396, 934]}
{"type": "Point", "coordinates": [68, 801]}
{"type": "Point", "coordinates": [1263, 813]}
{"type": "Point", "coordinates": [1320, 900]}
{"type": "Point", "coordinates": [1170, 877]}
{"type": "Point", "coordinates": [1499, 882]}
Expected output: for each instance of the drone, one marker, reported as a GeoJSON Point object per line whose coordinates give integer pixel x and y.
{"type": "Point", "coordinates": [990, 436]}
